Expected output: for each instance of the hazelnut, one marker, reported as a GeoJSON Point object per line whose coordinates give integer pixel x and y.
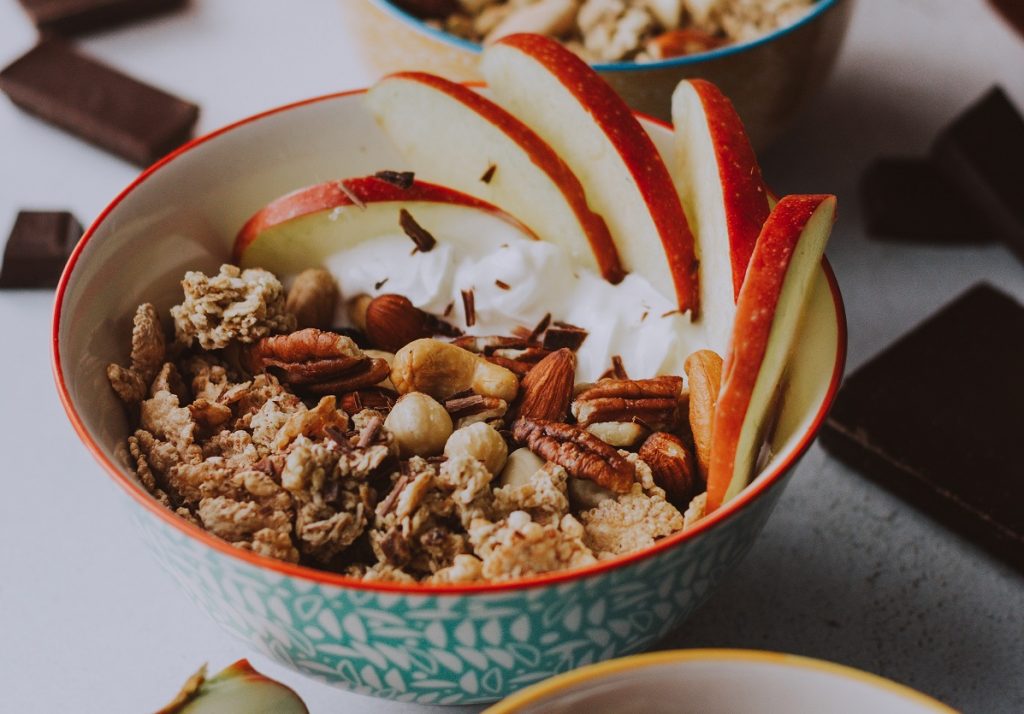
{"type": "Point", "coordinates": [480, 441]}
{"type": "Point", "coordinates": [357, 310]}
{"type": "Point", "coordinates": [312, 298]}
{"type": "Point", "coordinates": [420, 425]}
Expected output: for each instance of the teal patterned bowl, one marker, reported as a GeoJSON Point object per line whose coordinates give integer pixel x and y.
{"type": "Point", "coordinates": [440, 644]}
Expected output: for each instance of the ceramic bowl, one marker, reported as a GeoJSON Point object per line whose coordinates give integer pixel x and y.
{"type": "Point", "coordinates": [441, 644]}
{"type": "Point", "coordinates": [768, 79]}
{"type": "Point", "coordinates": [719, 682]}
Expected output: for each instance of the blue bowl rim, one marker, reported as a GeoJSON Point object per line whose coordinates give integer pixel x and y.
{"type": "Point", "coordinates": [819, 9]}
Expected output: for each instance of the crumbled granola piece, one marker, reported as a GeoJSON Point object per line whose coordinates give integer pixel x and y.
{"type": "Point", "coordinates": [614, 29]}
{"type": "Point", "coordinates": [273, 544]}
{"type": "Point", "coordinates": [517, 546]}
{"type": "Point", "coordinates": [234, 305]}
{"type": "Point", "coordinates": [696, 510]}
{"type": "Point", "coordinates": [544, 496]}
{"type": "Point", "coordinates": [310, 422]}
{"type": "Point", "coordinates": [632, 520]}
{"type": "Point", "coordinates": [470, 485]}
{"type": "Point", "coordinates": [144, 472]}
{"type": "Point", "coordinates": [268, 420]}
{"type": "Point", "coordinates": [250, 525]}
{"type": "Point", "coordinates": [464, 569]}
{"type": "Point", "coordinates": [132, 383]}
{"type": "Point", "coordinates": [385, 572]}
{"type": "Point", "coordinates": [235, 447]}
{"type": "Point", "coordinates": [168, 379]}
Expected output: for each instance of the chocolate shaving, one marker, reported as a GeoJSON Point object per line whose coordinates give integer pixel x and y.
{"type": "Point", "coordinates": [370, 432]}
{"type": "Point", "coordinates": [469, 306]}
{"type": "Point", "coordinates": [385, 506]}
{"type": "Point", "coordinates": [502, 284]}
{"type": "Point", "coordinates": [562, 334]}
{"type": "Point", "coordinates": [356, 201]}
{"type": "Point", "coordinates": [489, 173]}
{"type": "Point", "coordinates": [540, 328]}
{"type": "Point", "coordinates": [618, 368]}
{"type": "Point", "coordinates": [644, 316]}
{"type": "Point", "coordinates": [420, 236]}
{"type": "Point", "coordinates": [340, 437]}
{"type": "Point", "coordinates": [380, 283]}
{"type": "Point", "coordinates": [402, 179]}
{"type": "Point", "coordinates": [448, 309]}
{"type": "Point", "coordinates": [670, 313]}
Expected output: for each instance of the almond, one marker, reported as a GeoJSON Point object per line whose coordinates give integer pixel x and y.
{"type": "Point", "coordinates": [547, 388]}
{"type": "Point", "coordinates": [671, 464]}
{"type": "Point", "coordinates": [392, 322]}
{"type": "Point", "coordinates": [704, 372]}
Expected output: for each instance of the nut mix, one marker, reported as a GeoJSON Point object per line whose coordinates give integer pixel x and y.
{"type": "Point", "coordinates": [455, 459]}
{"type": "Point", "coordinates": [615, 30]}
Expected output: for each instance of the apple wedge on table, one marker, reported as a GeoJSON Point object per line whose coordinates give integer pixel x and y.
{"type": "Point", "coordinates": [303, 228]}
{"type": "Point", "coordinates": [785, 260]}
{"type": "Point", "coordinates": [720, 184]}
{"type": "Point", "coordinates": [452, 135]}
{"type": "Point", "coordinates": [582, 118]}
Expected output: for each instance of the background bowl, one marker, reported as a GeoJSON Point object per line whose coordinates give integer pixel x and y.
{"type": "Point", "coordinates": [720, 682]}
{"type": "Point", "coordinates": [768, 79]}
{"type": "Point", "coordinates": [438, 644]}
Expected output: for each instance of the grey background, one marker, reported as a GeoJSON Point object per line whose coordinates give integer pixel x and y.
{"type": "Point", "coordinates": [89, 623]}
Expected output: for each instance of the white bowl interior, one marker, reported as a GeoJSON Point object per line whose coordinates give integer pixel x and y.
{"type": "Point", "coordinates": [734, 684]}
{"type": "Point", "coordinates": [185, 214]}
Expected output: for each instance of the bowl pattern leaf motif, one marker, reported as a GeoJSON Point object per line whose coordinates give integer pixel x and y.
{"type": "Point", "coordinates": [454, 649]}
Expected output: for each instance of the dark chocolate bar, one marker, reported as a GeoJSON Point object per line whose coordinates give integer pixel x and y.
{"type": "Point", "coordinates": [73, 17]}
{"type": "Point", "coordinates": [938, 418]}
{"type": "Point", "coordinates": [38, 248]}
{"type": "Point", "coordinates": [98, 103]}
{"type": "Point", "coordinates": [982, 153]}
{"type": "Point", "coordinates": [908, 199]}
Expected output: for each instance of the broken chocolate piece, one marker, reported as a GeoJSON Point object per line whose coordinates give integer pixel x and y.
{"type": "Point", "coordinates": [982, 153]}
{"type": "Point", "coordinates": [97, 103]}
{"type": "Point", "coordinates": [419, 235]}
{"type": "Point", "coordinates": [937, 418]}
{"type": "Point", "coordinates": [38, 248]}
{"type": "Point", "coordinates": [908, 199]}
{"type": "Point", "coordinates": [489, 173]}
{"type": "Point", "coordinates": [73, 17]}
{"type": "Point", "coordinates": [469, 307]}
{"type": "Point", "coordinates": [562, 334]}
{"type": "Point", "coordinates": [401, 179]}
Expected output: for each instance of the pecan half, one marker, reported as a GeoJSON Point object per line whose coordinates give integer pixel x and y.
{"type": "Point", "coordinates": [547, 389]}
{"type": "Point", "coordinates": [653, 402]}
{"type": "Point", "coordinates": [704, 372]}
{"type": "Point", "coordinates": [579, 452]}
{"type": "Point", "coordinates": [316, 362]}
{"type": "Point", "coordinates": [672, 466]}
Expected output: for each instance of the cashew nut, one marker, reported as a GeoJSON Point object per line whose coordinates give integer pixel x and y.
{"type": "Point", "coordinates": [388, 357]}
{"type": "Point", "coordinates": [419, 424]}
{"type": "Point", "coordinates": [480, 441]}
{"type": "Point", "coordinates": [520, 466]}
{"type": "Point", "coordinates": [620, 434]}
{"type": "Point", "coordinates": [441, 369]}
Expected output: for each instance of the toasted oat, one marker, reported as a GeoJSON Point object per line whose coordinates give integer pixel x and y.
{"type": "Point", "coordinates": [234, 305]}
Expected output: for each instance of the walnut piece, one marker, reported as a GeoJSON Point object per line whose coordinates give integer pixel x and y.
{"type": "Point", "coordinates": [234, 305]}
{"type": "Point", "coordinates": [316, 362]}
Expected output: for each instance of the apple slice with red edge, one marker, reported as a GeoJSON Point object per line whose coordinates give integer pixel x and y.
{"type": "Point", "coordinates": [452, 135]}
{"type": "Point", "coordinates": [568, 104]}
{"type": "Point", "coordinates": [785, 261]}
{"type": "Point", "coordinates": [719, 181]}
{"type": "Point", "coordinates": [237, 689]}
{"type": "Point", "coordinates": [301, 229]}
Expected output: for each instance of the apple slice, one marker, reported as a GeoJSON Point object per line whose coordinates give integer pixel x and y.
{"type": "Point", "coordinates": [452, 135]}
{"type": "Point", "coordinates": [301, 229]}
{"type": "Point", "coordinates": [561, 98]}
{"type": "Point", "coordinates": [719, 181]}
{"type": "Point", "coordinates": [785, 260]}
{"type": "Point", "coordinates": [237, 689]}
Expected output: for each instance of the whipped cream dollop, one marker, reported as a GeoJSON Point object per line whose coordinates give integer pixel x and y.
{"type": "Point", "coordinates": [515, 282]}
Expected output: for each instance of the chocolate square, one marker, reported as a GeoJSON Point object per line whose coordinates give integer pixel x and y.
{"type": "Point", "coordinates": [938, 418]}
{"type": "Point", "coordinates": [97, 103]}
{"type": "Point", "coordinates": [907, 199]}
{"type": "Point", "coordinates": [73, 17]}
{"type": "Point", "coordinates": [38, 248]}
{"type": "Point", "coordinates": [982, 153]}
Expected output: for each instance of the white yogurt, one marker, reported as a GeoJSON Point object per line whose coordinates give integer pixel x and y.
{"type": "Point", "coordinates": [630, 319]}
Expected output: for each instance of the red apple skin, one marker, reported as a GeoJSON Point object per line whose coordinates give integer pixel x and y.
{"type": "Point", "coordinates": [755, 311]}
{"type": "Point", "coordinates": [367, 189]}
{"type": "Point", "coordinates": [601, 243]}
{"type": "Point", "coordinates": [746, 203]}
{"type": "Point", "coordinates": [637, 151]}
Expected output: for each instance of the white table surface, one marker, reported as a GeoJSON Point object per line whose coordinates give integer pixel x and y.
{"type": "Point", "coordinates": [844, 571]}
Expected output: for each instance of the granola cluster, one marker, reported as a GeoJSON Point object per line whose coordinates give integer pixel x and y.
{"type": "Point", "coordinates": [623, 30]}
{"type": "Point", "coordinates": [461, 459]}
